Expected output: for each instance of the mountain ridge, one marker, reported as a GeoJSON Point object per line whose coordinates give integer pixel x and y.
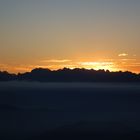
{"type": "Point", "coordinates": [71, 75]}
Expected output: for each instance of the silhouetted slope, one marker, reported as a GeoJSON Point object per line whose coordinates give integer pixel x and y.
{"type": "Point", "coordinates": [68, 75]}
{"type": "Point", "coordinates": [5, 76]}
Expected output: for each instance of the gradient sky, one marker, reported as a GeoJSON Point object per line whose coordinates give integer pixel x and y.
{"type": "Point", "coordinates": [99, 34]}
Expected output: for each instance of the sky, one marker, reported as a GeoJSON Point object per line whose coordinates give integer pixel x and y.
{"type": "Point", "coordinates": [92, 34]}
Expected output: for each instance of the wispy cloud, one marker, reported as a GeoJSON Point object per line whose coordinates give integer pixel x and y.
{"type": "Point", "coordinates": [56, 61]}
{"type": "Point", "coordinates": [96, 63]}
{"type": "Point", "coordinates": [133, 64]}
{"type": "Point", "coordinates": [122, 54]}
{"type": "Point", "coordinates": [3, 66]}
{"type": "Point", "coordinates": [127, 59]}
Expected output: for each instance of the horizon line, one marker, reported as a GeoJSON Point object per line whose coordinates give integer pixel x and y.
{"type": "Point", "coordinates": [53, 70]}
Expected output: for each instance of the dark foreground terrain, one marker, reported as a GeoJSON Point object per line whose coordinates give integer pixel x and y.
{"type": "Point", "coordinates": [50, 111]}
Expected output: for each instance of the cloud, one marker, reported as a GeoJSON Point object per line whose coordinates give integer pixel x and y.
{"type": "Point", "coordinates": [133, 64]}
{"type": "Point", "coordinates": [96, 63]}
{"type": "Point", "coordinates": [127, 59]}
{"type": "Point", "coordinates": [3, 66]}
{"type": "Point", "coordinates": [56, 61]}
{"type": "Point", "coordinates": [122, 54]}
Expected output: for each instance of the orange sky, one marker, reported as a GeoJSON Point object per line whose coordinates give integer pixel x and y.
{"type": "Point", "coordinates": [99, 34]}
{"type": "Point", "coordinates": [121, 63]}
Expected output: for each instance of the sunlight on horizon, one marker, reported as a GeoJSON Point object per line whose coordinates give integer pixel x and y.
{"type": "Point", "coordinates": [120, 64]}
{"type": "Point", "coordinates": [99, 66]}
{"type": "Point", "coordinates": [60, 64]}
{"type": "Point", "coordinates": [76, 34]}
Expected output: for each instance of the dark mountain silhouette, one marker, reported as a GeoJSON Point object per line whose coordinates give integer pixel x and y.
{"type": "Point", "coordinates": [5, 76]}
{"type": "Point", "coordinates": [68, 75]}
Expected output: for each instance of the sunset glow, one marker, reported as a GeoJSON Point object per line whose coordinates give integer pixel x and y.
{"type": "Point", "coordinates": [98, 34]}
{"type": "Point", "coordinates": [99, 65]}
{"type": "Point", "coordinates": [109, 64]}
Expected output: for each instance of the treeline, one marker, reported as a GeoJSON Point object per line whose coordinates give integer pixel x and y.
{"type": "Point", "coordinates": [68, 75]}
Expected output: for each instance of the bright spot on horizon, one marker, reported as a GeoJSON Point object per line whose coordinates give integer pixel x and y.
{"type": "Point", "coordinates": [99, 65]}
